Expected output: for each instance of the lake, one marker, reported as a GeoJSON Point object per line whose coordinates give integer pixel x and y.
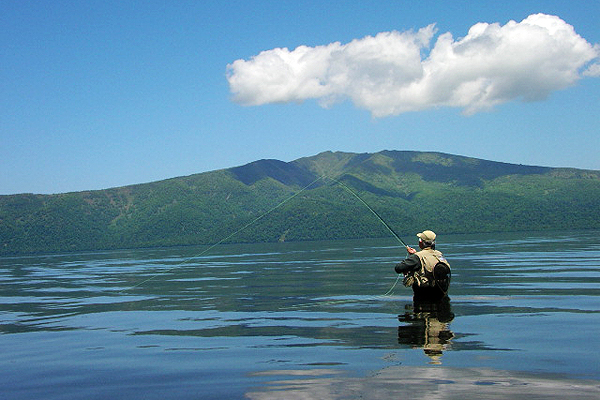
{"type": "Point", "coordinates": [316, 320]}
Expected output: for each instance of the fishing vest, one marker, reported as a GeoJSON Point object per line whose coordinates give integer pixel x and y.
{"type": "Point", "coordinates": [429, 259]}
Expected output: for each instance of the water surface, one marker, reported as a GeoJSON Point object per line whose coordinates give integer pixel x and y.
{"type": "Point", "coordinates": [310, 319]}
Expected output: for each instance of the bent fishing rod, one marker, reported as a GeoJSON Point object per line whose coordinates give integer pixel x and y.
{"type": "Point", "coordinates": [389, 228]}
{"type": "Point", "coordinates": [273, 209]}
{"type": "Point", "coordinates": [342, 184]}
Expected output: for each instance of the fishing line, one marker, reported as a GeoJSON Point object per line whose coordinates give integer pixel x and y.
{"type": "Point", "coordinates": [229, 236]}
{"type": "Point", "coordinates": [389, 292]}
{"type": "Point", "coordinates": [286, 200]}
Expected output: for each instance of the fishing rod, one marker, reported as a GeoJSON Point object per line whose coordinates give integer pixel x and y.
{"type": "Point", "coordinates": [389, 228]}
{"type": "Point", "coordinates": [269, 212]}
{"type": "Point", "coordinates": [372, 210]}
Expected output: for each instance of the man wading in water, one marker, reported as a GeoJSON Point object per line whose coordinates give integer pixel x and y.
{"type": "Point", "coordinates": [427, 271]}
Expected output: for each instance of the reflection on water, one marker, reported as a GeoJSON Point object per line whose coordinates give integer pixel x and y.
{"type": "Point", "coordinates": [422, 383]}
{"type": "Point", "coordinates": [310, 319]}
{"type": "Point", "coordinates": [426, 325]}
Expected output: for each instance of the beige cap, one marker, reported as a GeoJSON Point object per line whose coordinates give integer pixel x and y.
{"type": "Point", "coordinates": [427, 236]}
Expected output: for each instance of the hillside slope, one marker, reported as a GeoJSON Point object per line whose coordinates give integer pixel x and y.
{"type": "Point", "coordinates": [411, 190]}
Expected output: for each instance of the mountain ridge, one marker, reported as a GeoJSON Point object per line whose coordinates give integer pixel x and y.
{"type": "Point", "coordinates": [450, 193]}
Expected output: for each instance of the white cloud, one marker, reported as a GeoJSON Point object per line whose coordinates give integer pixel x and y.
{"type": "Point", "coordinates": [396, 72]}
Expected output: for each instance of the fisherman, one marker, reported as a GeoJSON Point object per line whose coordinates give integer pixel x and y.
{"type": "Point", "coordinates": [426, 271]}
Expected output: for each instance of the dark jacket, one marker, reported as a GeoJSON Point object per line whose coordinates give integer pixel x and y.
{"type": "Point", "coordinates": [409, 264]}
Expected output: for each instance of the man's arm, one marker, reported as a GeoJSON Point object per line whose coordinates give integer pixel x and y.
{"type": "Point", "coordinates": [411, 263]}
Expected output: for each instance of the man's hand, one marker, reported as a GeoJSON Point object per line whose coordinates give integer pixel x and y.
{"type": "Point", "coordinates": [410, 250]}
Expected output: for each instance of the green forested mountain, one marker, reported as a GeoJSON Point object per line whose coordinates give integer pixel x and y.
{"type": "Point", "coordinates": [412, 191]}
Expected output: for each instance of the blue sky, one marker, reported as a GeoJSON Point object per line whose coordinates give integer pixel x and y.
{"type": "Point", "coordinates": [103, 94]}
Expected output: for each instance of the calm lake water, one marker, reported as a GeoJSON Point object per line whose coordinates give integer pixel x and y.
{"type": "Point", "coordinates": [303, 320]}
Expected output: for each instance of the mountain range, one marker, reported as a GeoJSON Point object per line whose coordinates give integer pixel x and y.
{"type": "Point", "coordinates": [311, 198]}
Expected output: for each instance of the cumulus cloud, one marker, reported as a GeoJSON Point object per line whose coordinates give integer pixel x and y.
{"type": "Point", "coordinates": [396, 72]}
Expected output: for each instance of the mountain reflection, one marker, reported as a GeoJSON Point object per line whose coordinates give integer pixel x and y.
{"type": "Point", "coordinates": [426, 325]}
